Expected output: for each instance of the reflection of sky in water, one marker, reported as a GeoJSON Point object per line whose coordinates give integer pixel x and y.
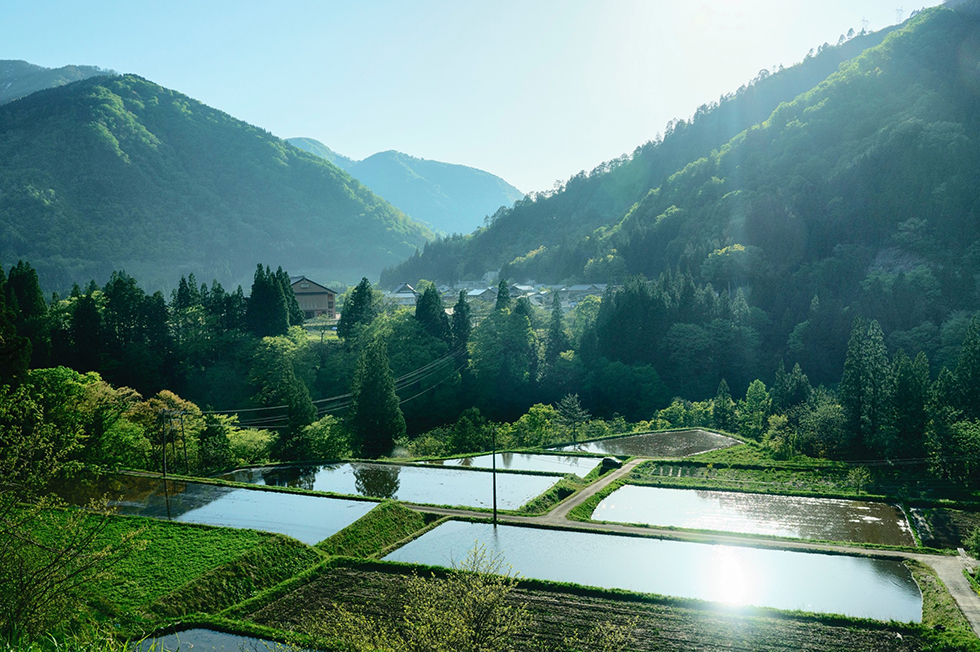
{"type": "Point", "coordinates": [415, 484]}
{"type": "Point", "coordinates": [656, 444]}
{"type": "Point", "coordinates": [853, 586]}
{"type": "Point", "coordinates": [578, 465]}
{"type": "Point", "coordinates": [307, 518]}
{"type": "Point", "coordinates": [206, 640]}
{"type": "Point", "coordinates": [785, 516]}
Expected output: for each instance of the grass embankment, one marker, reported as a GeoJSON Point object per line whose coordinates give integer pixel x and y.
{"type": "Point", "coordinates": [382, 527]}
{"type": "Point", "coordinates": [184, 568]}
{"type": "Point", "coordinates": [940, 527]}
{"type": "Point", "coordinates": [559, 610]}
{"type": "Point", "coordinates": [945, 624]}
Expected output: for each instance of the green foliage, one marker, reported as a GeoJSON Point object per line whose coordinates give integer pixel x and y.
{"type": "Point", "coordinates": [360, 309]}
{"type": "Point", "coordinates": [171, 183]}
{"type": "Point", "coordinates": [383, 526]}
{"type": "Point", "coordinates": [267, 313]}
{"type": "Point", "coordinates": [503, 350]}
{"type": "Point", "coordinates": [376, 419]}
{"type": "Point", "coordinates": [462, 321]}
{"type": "Point", "coordinates": [723, 408]}
{"type": "Point", "coordinates": [503, 295]}
{"type": "Point", "coordinates": [753, 411]}
{"type": "Point", "coordinates": [431, 314]}
{"type": "Point", "coordinates": [972, 544]}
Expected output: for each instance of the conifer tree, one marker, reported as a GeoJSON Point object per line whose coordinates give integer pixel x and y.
{"type": "Point", "coordinates": [296, 315]}
{"type": "Point", "coordinates": [15, 351]}
{"type": "Point", "coordinates": [461, 321]}
{"type": "Point", "coordinates": [849, 390]}
{"type": "Point", "coordinates": [557, 337]}
{"type": "Point", "coordinates": [431, 314]}
{"type": "Point", "coordinates": [503, 295]}
{"type": "Point", "coordinates": [267, 313]}
{"type": "Point", "coordinates": [910, 396]}
{"type": "Point", "coordinates": [876, 400]}
{"type": "Point", "coordinates": [967, 394]}
{"type": "Point", "coordinates": [31, 318]}
{"type": "Point", "coordinates": [723, 409]}
{"type": "Point", "coordinates": [359, 310]}
{"type": "Point", "coordinates": [376, 418]}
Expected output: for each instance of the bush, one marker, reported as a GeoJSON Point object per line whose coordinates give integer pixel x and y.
{"type": "Point", "coordinates": [972, 543]}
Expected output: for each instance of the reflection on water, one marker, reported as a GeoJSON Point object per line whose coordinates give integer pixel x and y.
{"type": "Point", "coordinates": [657, 444]}
{"type": "Point", "coordinates": [563, 464]}
{"type": "Point", "coordinates": [415, 484]}
{"type": "Point", "coordinates": [376, 480]}
{"type": "Point", "coordinates": [854, 586]}
{"type": "Point", "coordinates": [206, 640]}
{"type": "Point", "coordinates": [307, 518]}
{"type": "Point", "coordinates": [785, 516]}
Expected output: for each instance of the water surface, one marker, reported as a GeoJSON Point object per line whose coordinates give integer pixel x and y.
{"type": "Point", "coordinates": [207, 640]}
{"type": "Point", "coordinates": [308, 518]}
{"type": "Point", "coordinates": [783, 516]}
{"type": "Point", "coordinates": [850, 585]}
{"type": "Point", "coordinates": [577, 464]}
{"type": "Point", "coordinates": [656, 444]}
{"type": "Point", "coordinates": [414, 484]}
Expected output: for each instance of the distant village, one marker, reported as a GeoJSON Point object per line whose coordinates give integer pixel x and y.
{"type": "Point", "coordinates": [317, 300]}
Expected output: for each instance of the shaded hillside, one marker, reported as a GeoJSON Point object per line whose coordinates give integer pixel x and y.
{"type": "Point", "coordinates": [858, 198]}
{"type": "Point", "coordinates": [19, 78]}
{"type": "Point", "coordinates": [451, 198]}
{"type": "Point", "coordinates": [601, 197]}
{"type": "Point", "coordinates": [120, 173]}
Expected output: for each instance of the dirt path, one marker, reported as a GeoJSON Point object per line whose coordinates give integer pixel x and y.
{"type": "Point", "coordinates": [948, 568]}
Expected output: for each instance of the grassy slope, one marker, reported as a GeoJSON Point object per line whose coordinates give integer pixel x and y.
{"type": "Point", "coordinates": [383, 526]}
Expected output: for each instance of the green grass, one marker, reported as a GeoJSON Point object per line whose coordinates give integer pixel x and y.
{"type": "Point", "coordinates": [260, 568]}
{"type": "Point", "coordinates": [383, 526]}
{"type": "Point", "coordinates": [556, 493]}
{"type": "Point", "coordinates": [946, 625]}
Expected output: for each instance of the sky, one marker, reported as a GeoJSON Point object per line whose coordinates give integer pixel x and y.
{"type": "Point", "coordinates": [531, 90]}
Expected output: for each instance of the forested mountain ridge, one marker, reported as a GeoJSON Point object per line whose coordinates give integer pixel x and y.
{"type": "Point", "coordinates": [120, 173]}
{"type": "Point", "coordinates": [20, 78]}
{"type": "Point", "coordinates": [599, 198]}
{"type": "Point", "coordinates": [451, 198]}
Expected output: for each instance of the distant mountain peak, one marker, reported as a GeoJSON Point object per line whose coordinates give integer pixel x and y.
{"type": "Point", "coordinates": [450, 197]}
{"type": "Point", "coordinates": [21, 78]}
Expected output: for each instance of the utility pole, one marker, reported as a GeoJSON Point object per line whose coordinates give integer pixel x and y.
{"type": "Point", "coordinates": [493, 430]}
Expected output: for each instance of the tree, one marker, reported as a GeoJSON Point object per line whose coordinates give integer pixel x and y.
{"type": "Point", "coordinates": [723, 408]}
{"type": "Point", "coordinates": [571, 414]}
{"type": "Point", "coordinates": [431, 314]}
{"type": "Point", "coordinates": [267, 314]}
{"type": "Point", "coordinates": [910, 396]}
{"type": "Point", "coordinates": [31, 319]}
{"type": "Point", "coordinates": [753, 411]}
{"type": "Point", "coordinates": [968, 373]}
{"type": "Point", "coordinates": [558, 340]}
{"type": "Point", "coordinates": [789, 389]}
{"type": "Point", "coordinates": [15, 351]}
{"type": "Point", "coordinates": [360, 309]}
{"type": "Point", "coordinates": [865, 387]}
{"type": "Point", "coordinates": [273, 373]}
{"type": "Point", "coordinates": [296, 315]}
{"type": "Point", "coordinates": [461, 321]}
{"type": "Point", "coordinates": [503, 295]}
{"type": "Point", "coordinates": [502, 354]}
{"type": "Point", "coordinates": [215, 447]}
{"type": "Point", "coordinates": [376, 418]}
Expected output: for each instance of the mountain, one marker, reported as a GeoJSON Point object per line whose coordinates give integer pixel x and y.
{"type": "Point", "coordinates": [547, 222]}
{"type": "Point", "coordinates": [452, 198]}
{"type": "Point", "coordinates": [856, 197]}
{"type": "Point", "coordinates": [121, 173]}
{"type": "Point", "coordinates": [19, 78]}
{"type": "Point", "coordinates": [314, 146]}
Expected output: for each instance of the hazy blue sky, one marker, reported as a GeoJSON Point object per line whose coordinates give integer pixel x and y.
{"type": "Point", "coordinates": [532, 90]}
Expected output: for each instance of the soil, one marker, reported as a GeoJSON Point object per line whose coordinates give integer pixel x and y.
{"type": "Point", "coordinates": [558, 614]}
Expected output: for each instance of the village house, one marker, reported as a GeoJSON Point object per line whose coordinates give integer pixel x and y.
{"type": "Point", "coordinates": [314, 299]}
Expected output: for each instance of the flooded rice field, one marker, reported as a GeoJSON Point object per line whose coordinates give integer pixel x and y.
{"type": "Point", "coordinates": [205, 640]}
{"type": "Point", "coordinates": [849, 585]}
{"type": "Point", "coordinates": [656, 444]}
{"type": "Point", "coordinates": [308, 518]}
{"type": "Point", "coordinates": [415, 484]}
{"type": "Point", "coordinates": [783, 516]}
{"type": "Point", "coordinates": [577, 464]}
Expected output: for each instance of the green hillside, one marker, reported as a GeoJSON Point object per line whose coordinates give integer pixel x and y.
{"type": "Point", "coordinates": [19, 78]}
{"type": "Point", "coordinates": [451, 198]}
{"type": "Point", "coordinates": [589, 200]}
{"type": "Point", "coordinates": [120, 173]}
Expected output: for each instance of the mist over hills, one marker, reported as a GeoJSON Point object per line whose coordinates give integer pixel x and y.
{"type": "Point", "coordinates": [451, 198]}
{"type": "Point", "coordinates": [121, 173]}
{"type": "Point", "coordinates": [20, 78]}
{"type": "Point", "coordinates": [853, 196]}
